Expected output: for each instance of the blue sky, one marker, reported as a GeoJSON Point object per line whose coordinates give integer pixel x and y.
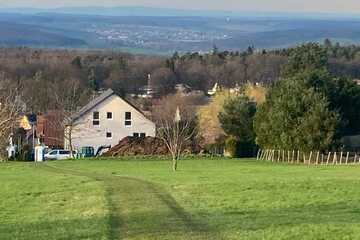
{"type": "Point", "coordinates": [336, 6]}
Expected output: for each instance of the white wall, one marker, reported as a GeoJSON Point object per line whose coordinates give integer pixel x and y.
{"type": "Point", "coordinates": [86, 134]}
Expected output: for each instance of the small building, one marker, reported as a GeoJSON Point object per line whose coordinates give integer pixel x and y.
{"type": "Point", "coordinates": [49, 129]}
{"type": "Point", "coordinates": [28, 124]}
{"type": "Point", "coordinates": [183, 89]}
{"type": "Point", "coordinates": [105, 121]}
{"type": "Point", "coordinates": [214, 90]}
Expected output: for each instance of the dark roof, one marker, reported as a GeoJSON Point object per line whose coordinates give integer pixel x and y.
{"type": "Point", "coordinates": [32, 118]}
{"type": "Point", "coordinates": [93, 103]}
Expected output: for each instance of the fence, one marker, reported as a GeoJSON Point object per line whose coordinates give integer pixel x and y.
{"type": "Point", "coordinates": [309, 158]}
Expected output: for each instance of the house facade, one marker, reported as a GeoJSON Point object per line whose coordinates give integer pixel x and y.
{"type": "Point", "coordinates": [105, 121]}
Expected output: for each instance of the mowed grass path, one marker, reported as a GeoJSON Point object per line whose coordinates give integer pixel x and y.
{"type": "Point", "coordinates": [205, 199]}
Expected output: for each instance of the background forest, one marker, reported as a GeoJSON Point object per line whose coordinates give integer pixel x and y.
{"type": "Point", "coordinates": [43, 76]}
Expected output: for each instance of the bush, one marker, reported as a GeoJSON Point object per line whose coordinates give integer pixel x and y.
{"type": "Point", "coordinates": [246, 149]}
{"type": "Point", "coordinates": [231, 147]}
{"type": "Point", "coordinates": [24, 154]}
{"type": "Point", "coordinates": [237, 148]}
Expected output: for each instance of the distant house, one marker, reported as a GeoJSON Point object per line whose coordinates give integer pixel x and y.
{"type": "Point", "coordinates": [183, 89]}
{"type": "Point", "coordinates": [214, 90]}
{"type": "Point", "coordinates": [106, 120]}
{"type": "Point", "coordinates": [28, 124]}
{"type": "Point", "coordinates": [50, 130]}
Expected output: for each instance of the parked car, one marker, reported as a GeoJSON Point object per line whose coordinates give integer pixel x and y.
{"type": "Point", "coordinates": [59, 154]}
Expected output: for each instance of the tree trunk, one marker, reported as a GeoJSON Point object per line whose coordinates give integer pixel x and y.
{"type": "Point", "coordinates": [174, 164]}
{"type": "Point", "coordinates": [70, 143]}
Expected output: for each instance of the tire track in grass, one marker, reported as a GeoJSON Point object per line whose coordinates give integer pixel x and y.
{"type": "Point", "coordinates": [140, 209]}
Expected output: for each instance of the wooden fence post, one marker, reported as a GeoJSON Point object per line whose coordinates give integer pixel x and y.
{"type": "Point", "coordinates": [258, 155]}
{"type": "Point", "coordinates": [288, 156]}
{"type": "Point", "coordinates": [304, 157]}
{"type": "Point", "coordinates": [341, 156]}
{"type": "Point", "coordinates": [347, 158]}
{"type": "Point", "coordinates": [283, 155]}
{"type": "Point", "coordinates": [298, 157]}
{"type": "Point", "coordinates": [269, 155]}
{"type": "Point", "coordinates": [279, 155]}
{"type": "Point", "coordinates": [274, 153]}
{"type": "Point", "coordinates": [263, 155]}
{"type": "Point", "coordinates": [322, 159]}
{"type": "Point", "coordinates": [328, 158]}
{"type": "Point", "coordinates": [317, 158]}
{"type": "Point", "coordinates": [310, 157]}
{"type": "Point", "coordinates": [334, 159]}
{"type": "Point", "coordinates": [293, 156]}
{"type": "Point", "coordinates": [266, 154]}
{"type": "Point", "coordinates": [355, 158]}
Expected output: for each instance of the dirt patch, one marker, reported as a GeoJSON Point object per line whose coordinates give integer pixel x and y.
{"type": "Point", "coordinates": [131, 146]}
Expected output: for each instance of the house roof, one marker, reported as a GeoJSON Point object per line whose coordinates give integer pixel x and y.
{"type": "Point", "coordinates": [93, 103]}
{"type": "Point", "coordinates": [96, 101]}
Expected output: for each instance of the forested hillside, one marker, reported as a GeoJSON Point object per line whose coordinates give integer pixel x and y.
{"type": "Point", "coordinates": [43, 75]}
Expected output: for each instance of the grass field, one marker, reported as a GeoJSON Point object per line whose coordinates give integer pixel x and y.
{"type": "Point", "coordinates": [205, 199]}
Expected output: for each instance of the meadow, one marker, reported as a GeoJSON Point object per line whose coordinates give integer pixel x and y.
{"type": "Point", "coordinates": [136, 198]}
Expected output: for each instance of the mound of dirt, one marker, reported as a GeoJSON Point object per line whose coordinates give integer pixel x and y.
{"type": "Point", "coordinates": [131, 146]}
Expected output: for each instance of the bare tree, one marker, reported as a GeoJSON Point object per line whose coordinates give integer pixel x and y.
{"type": "Point", "coordinates": [175, 117]}
{"type": "Point", "coordinates": [11, 107]}
{"type": "Point", "coordinates": [67, 104]}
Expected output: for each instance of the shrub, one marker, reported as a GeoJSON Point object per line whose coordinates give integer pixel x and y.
{"type": "Point", "coordinates": [231, 147]}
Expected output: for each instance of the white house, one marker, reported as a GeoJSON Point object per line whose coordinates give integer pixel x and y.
{"type": "Point", "coordinates": [106, 120]}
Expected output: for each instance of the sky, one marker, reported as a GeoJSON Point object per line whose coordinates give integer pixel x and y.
{"type": "Point", "coordinates": [333, 6]}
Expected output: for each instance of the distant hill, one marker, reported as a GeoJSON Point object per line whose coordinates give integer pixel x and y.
{"type": "Point", "coordinates": [14, 34]}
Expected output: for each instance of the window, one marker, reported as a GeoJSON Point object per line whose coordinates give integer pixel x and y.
{"type": "Point", "coordinates": [109, 115]}
{"type": "Point", "coordinates": [108, 135]}
{"type": "Point", "coordinates": [136, 135]}
{"type": "Point", "coordinates": [142, 135]}
{"type": "Point", "coordinates": [64, 152]}
{"type": "Point", "coordinates": [127, 118]}
{"type": "Point", "coordinates": [53, 153]}
{"type": "Point", "coordinates": [96, 118]}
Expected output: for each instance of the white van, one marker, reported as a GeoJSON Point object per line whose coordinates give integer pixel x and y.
{"type": "Point", "coordinates": [59, 154]}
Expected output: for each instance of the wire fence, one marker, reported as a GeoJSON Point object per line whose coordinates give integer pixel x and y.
{"type": "Point", "coordinates": [309, 158]}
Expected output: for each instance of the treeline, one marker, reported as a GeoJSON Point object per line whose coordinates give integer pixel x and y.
{"type": "Point", "coordinates": [309, 109]}
{"type": "Point", "coordinates": [44, 75]}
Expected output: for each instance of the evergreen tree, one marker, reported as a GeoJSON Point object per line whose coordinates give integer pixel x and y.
{"type": "Point", "coordinates": [309, 64]}
{"type": "Point", "coordinates": [295, 117]}
{"type": "Point", "coordinates": [237, 121]}
{"type": "Point", "coordinates": [306, 57]}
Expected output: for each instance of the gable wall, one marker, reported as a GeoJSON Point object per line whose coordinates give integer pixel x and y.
{"type": "Point", "coordinates": [86, 134]}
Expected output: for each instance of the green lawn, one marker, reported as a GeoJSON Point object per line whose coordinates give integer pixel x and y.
{"type": "Point", "coordinates": [205, 199]}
